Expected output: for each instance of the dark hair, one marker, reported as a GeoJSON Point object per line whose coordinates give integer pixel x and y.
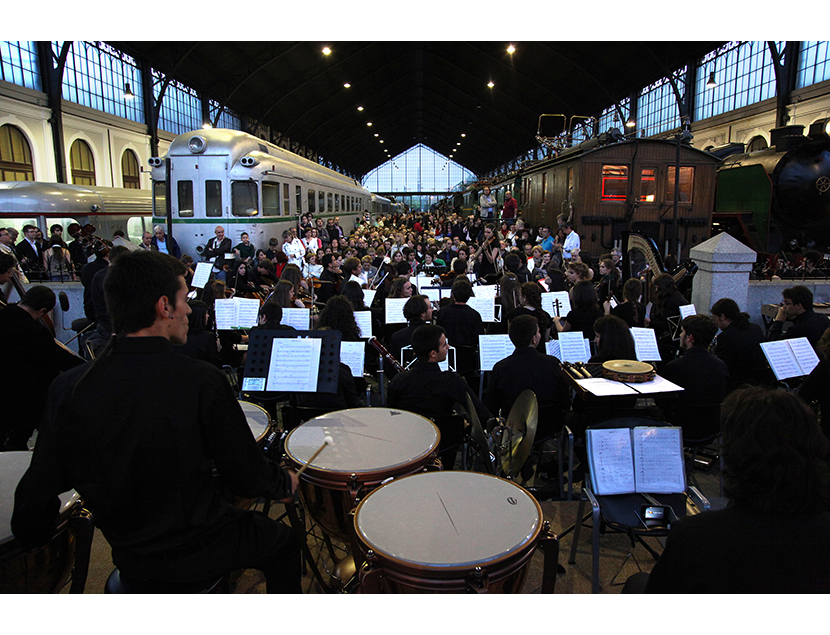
{"type": "Point", "coordinates": [354, 294]}
{"type": "Point", "coordinates": [459, 267]}
{"type": "Point", "coordinates": [509, 289]}
{"type": "Point", "coordinates": [522, 329]}
{"type": "Point", "coordinates": [664, 288]}
{"type": "Point", "coordinates": [396, 288]}
{"type": "Point", "coordinates": [39, 297]}
{"type": "Point", "coordinates": [728, 308]}
{"type": "Point", "coordinates": [292, 274]}
{"type": "Point", "coordinates": [774, 452]}
{"type": "Point", "coordinates": [425, 339]}
{"type": "Point", "coordinates": [415, 307]}
{"type": "Point", "coordinates": [615, 340]}
{"type": "Point", "coordinates": [349, 265]}
{"type": "Point", "coordinates": [557, 279]}
{"type": "Point", "coordinates": [338, 315]}
{"type": "Point", "coordinates": [580, 269]}
{"type": "Point", "coordinates": [7, 261]}
{"type": "Point", "coordinates": [266, 264]}
{"type": "Point", "coordinates": [701, 327]}
{"type": "Point", "coordinates": [283, 293]}
{"type": "Point", "coordinates": [532, 292]}
{"type": "Point", "coordinates": [512, 262]}
{"type": "Point", "coordinates": [135, 282]}
{"type": "Point", "coordinates": [196, 320]}
{"type": "Point", "coordinates": [272, 312]}
{"type": "Point", "coordinates": [328, 258]}
{"type": "Point", "coordinates": [799, 295]}
{"type": "Point", "coordinates": [462, 290]}
{"type": "Point", "coordinates": [632, 290]}
{"type": "Point", "coordinates": [584, 296]}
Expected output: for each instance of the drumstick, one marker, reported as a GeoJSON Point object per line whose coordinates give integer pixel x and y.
{"type": "Point", "coordinates": [326, 441]}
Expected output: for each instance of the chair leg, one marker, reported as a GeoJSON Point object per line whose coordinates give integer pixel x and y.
{"type": "Point", "coordinates": [595, 554]}
{"type": "Point", "coordinates": [577, 528]}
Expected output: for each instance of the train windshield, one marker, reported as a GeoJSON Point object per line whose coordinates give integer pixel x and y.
{"type": "Point", "coordinates": [159, 198]}
{"type": "Point", "coordinates": [244, 198]}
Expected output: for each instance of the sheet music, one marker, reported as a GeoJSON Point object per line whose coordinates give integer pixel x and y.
{"type": "Point", "coordinates": [572, 347]}
{"type": "Point", "coordinates": [201, 275]}
{"type": "Point", "coordinates": [364, 323]}
{"type": "Point", "coordinates": [486, 307]}
{"type": "Point", "coordinates": [686, 310]}
{"type": "Point", "coordinates": [247, 312]}
{"type": "Point", "coordinates": [394, 310]}
{"type": "Point", "coordinates": [658, 384]}
{"type": "Point", "coordinates": [611, 460]}
{"type": "Point", "coordinates": [556, 303]}
{"type": "Point", "coordinates": [236, 313]}
{"type": "Point", "coordinates": [294, 364]}
{"type": "Point", "coordinates": [658, 460]}
{"type": "Point", "coordinates": [805, 354]}
{"type": "Point", "coordinates": [485, 291]}
{"type": "Point", "coordinates": [790, 358]}
{"type": "Point", "coordinates": [493, 349]}
{"type": "Point", "coordinates": [369, 296]}
{"type": "Point", "coordinates": [434, 293]}
{"type": "Point", "coordinates": [298, 318]}
{"type": "Point", "coordinates": [645, 344]}
{"type": "Point", "coordinates": [224, 313]}
{"type": "Point", "coordinates": [352, 354]}
{"type": "Point", "coordinates": [602, 387]}
{"type": "Point", "coordinates": [552, 347]}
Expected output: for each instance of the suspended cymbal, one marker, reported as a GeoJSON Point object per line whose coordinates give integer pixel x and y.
{"type": "Point", "coordinates": [479, 437]}
{"type": "Point", "coordinates": [521, 423]}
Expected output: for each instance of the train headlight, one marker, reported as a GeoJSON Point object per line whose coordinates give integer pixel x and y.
{"type": "Point", "coordinates": [155, 162]}
{"type": "Point", "coordinates": [249, 162]}
{"type": "Point", "coordinates": [197, 144]}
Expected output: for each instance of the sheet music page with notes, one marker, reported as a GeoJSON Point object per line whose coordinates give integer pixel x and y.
{"type": "Point", "coordinates": [352, 354]}
{"type": "Point", "coordinates": [686, 310]}
{"type": "Point", "coordinates": [658, 460]}
{"type": "Point", "coordinates": [485, 307]}
{"type": "Point", "coordinates": [294, 366]}
{"type": "Point", "coordinates": [572, 347]}
{"type": "Point", "coordinates": [247, 312]}
{"type": "Point", "coordinates": [296, 318]}
{"type": "Point", "coordinates": [804, 353]}
{"type": "Point", "coordinates": [790, 358]}
{"type": "Point", "coordinates": [492, 349]}
{"type": "Point", "coordinates": [394, 310]}
{"type": "Point", "coordinates": [556, 303]}
{"type": "Point", "coordinates": [369, 296]}
{"type": "Point", "coordinates": [552, 347]}
{"type": "Point", "coordinates": [645, 344]}
{"type": "Point", "coordinates": [224, 314]}
{"type": "Point", "coordinates": [363, 319]}
{"type": "Point", "coordinates": [236, 313]}
{"type": "Point", "coordinates": [201, 275]}
{"type": "Point", "coordinates": [611, 461]}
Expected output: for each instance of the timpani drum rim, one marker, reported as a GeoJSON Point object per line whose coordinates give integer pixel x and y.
{"type": "Point", "coordinates": [628, 370]}
{"type": "Point", "coordinates": [510, 554]}
{"type": "Point", "coordinates": [318, 473]}
{"type": "Point", "coordinates": [249, 407]}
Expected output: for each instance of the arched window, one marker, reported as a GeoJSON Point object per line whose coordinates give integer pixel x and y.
{"type": "Point", "coordinates": [130, 173]}
{"type": "Point", "coordinates": [15, 155]}
{"type": "Point", "coordinates": [82, 163]}
{"type": "Point", "coordinates": [757, 143]}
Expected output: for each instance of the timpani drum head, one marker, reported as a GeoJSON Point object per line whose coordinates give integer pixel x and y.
{"type": "Point", "coordinates": [366, 440]}
{"type": "Point", "coordinates": [259, 421]}
{"type": "Point", "coordinates": [448, 519]}
{"type": "Point", "coordinates": [12, 467]}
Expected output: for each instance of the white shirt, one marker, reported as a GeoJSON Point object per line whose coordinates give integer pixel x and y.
{"type": "Point", "coordinates": [295, 250]}
{"type": "Point", "coordinates": [571, 243]}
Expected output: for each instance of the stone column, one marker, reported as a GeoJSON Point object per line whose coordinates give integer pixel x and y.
{"type": "Point", "coordinates": [724, 264]}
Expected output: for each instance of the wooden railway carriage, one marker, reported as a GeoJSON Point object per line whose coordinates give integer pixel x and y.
{"type": "Point", "coordinates": [622, 186]}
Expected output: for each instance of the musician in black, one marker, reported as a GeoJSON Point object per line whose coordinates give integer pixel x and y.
{"type": "Point", "coordinates": [739, 345]}
{"type": "Point", "coordinates": [462, 323]}
{"type": "Point", "coordinates": [7, 267]}
{"type": "Point", "coordinates": [489, 256]}
{"type": "Point", "coordinates": [330, 278]}
{"type": "Point", "coordinates": [798, 308]}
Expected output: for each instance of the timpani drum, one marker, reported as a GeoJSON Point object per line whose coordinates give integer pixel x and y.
{"type": "Point", "coordinates": [370, 446]}
{"type": "Point", "coordinates": [259, 421]}
{"type": "Point", "coordinates": [447, 532]}
{"type": "Point", "coordinates": [47, 568]}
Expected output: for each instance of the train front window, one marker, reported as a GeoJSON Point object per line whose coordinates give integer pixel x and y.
{"type": "Point", "coordinates": [185, 198]}
{"type": "Point", "coordinates": [244, 198]}
{"type": "Point", "coordinates": [213, 199]}
{"type": "Point", "coordinates": [159, 198]}
{"type": "Point", "coordinates": [648, 185]}
{"type": "Point", "coordinates": [614, 182]}
{"type": "Point", "coordinates": [687, 177]}
{"type": "Point", "coordinates": [270, 199]}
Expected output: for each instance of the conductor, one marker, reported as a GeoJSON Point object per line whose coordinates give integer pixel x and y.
{"type": "Point", "coordinates": [147, 473]}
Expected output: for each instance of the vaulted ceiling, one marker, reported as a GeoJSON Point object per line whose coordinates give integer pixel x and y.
{"type": "Point", "coordinates": [415, 92]}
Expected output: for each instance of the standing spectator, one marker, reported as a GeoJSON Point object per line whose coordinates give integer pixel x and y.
{"type": "Point", "coordinates": [29, 253]}
{"type": "Point", "coordinates": [487, 202]}
{"type": "Point", "coordinates": [510, 205]}
{"type": "Point", "coordinates": [571, 241]}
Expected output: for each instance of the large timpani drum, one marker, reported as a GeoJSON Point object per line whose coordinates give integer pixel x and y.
{"type": "Point", "coordinates": [42, 570]}
{"type": "Point", "coordinates": [370, 446]}
{"type": "Point", "coordinates": [259, 421]}
{"type": "Point", "coordinates": [447, 532]}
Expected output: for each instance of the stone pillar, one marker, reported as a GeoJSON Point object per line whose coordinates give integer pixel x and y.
{"type": "Point", "coordinates": [724, 265]}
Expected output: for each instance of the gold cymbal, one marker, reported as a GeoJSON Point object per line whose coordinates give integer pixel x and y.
{"type": "Point", "coordinates": [521, 423]}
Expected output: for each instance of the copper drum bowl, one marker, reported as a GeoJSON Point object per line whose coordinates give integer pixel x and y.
{"type": "Point", "coordinates": [447, 532]}
{"type": "Point", "coordinates": [369, 446]}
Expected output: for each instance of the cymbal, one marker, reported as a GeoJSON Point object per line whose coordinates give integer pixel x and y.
{"type": "Point", "coordinates": [479, 437]}
{"type": "Point", "coordinates": [521, 423]}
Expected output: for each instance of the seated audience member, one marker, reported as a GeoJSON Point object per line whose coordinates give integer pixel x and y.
{"type": "Point", "coordinates": [528, 369]}
{"type": "Point", "coordinates": [201, 340]}
{"type": "Point", "coordinates": [815, 389]}
{"type": "Point", "coordinates": [774, 536]}
{"type": "Point", "coordinates": [798, 308]}
{"type": "Point", "coordinates": [430, 392]}
{"type": "Point", "coordinates": [584, 310]}
{"type": "Point", "coordinates": [702, 376]}
{"type": "Point", "coordinates": [739, 345]}
{"type": "Point", "coordinates": [461, 323]}
{"type": "Point", "coordinates": [613, 339]}
{"type": "Point", "coordinates": [631, 310]}
{"type": "Point", "coordinates": [100, 438]}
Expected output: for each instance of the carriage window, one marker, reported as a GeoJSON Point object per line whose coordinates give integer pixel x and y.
{"type": "Point", "coordinates": [687, 176]}
{"type": "Point", "coordinates": [15, 155]}
{"type": "Point", "coordinates": [185, 201]}
{"type": "Point", "coordinates": [286, 199]}
{"type": "Point", "coordinates": [614, 182]}
{"type": "Point", "coordinates": [270, 199]}
{"type": "Point", "coordinates": [159, 198]}
{"type": "Point", "coordinates": [213, 199]}
{"type": "Point", "coordinates": [311, 201]}
{"type": "Point", "coordinates": [136, 226]}
{"type": "Point", "coordinates": [321, 201]}
{"type": "Point", "coordinates": [82, 163]}
{"type": "Point", "coordinates": [648, 185]}
{"type": "Point", "coordinates": [244, 199]}
{"type": "Point", "coordinates": [330, 204]}
{"type": "Point", "coordinates": [299, 192]}
{"type": "Point", "coordinates": [336, 202]}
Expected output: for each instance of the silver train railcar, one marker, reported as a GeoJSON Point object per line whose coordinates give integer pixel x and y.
{"type": "Point", "coordinates": [233, 179]}
{"type": "Point", "coordinates": [107, 208]}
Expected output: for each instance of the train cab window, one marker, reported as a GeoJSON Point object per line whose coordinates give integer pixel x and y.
{"type": "Point", "coordinates": [244, 199]}
{"type": "Point", "coordinates": [270, 199]}
{"type": "Point", "coordinates": [614, 182]}
{"type": "Point", "coordinates": [687, 176]}
{"type": "Point", "coordinates": [136, 226]}
{"type": "Point", "coordinates": [286, 199]}
{"type": "Point", "coordinates": [159, 198]}
{"type": "Point", "coordinates": [330, 205]}
{"type": "Point", "coordinates": [648, 185]}
{"type": "Point", "coordinates": [82, 163]}
{"type": "Point", "coordinates": [213, 199]}
{"type": "Point", "coordinates": [299, 192]}
{"type": "Point", "coordinates": [15, 155]}
{"type": "Point", "coordinates": [336, 202]}
{"type": "Point", "coordinates": [321, 201]}
{"type": "Point", "coordinates": [130, 173]}
{"type": "Point", "coordinates": [312, 200]}
{"type": "Point", "coordinates": [185, 191]}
